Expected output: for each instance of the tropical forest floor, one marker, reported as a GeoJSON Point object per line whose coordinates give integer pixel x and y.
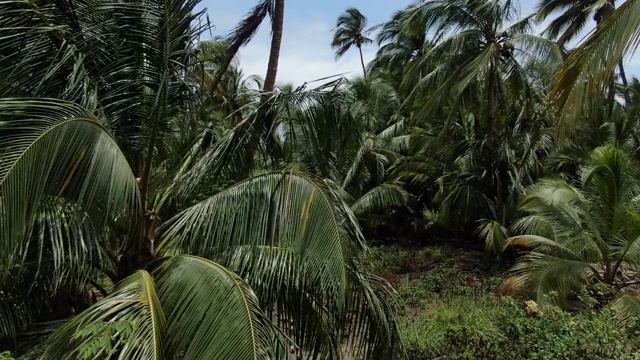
{"type": "Point", "coordinates": [450, 309]}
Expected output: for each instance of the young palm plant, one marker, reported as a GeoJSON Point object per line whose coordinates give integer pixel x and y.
{"type": "Point", "coordinates": [580, 235]}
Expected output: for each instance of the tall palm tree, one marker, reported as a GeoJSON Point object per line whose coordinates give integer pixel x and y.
{"type": "Point", "coordinates": [481, 46]}
{"type": "Point", "coordinates": [244, 32]}
{"type": "Point", "coordinates": [351, 30]}
{"type": "Point", "coordinates": [94, 197]}
{"type": "Point", "coordinates": [581, 234]}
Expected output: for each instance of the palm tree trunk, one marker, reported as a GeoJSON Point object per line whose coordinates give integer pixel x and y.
{"type": "Point", "coordinates": [276, 42]}
{"type": "Point", "coordinates": [491, 101]}
{"type": "Point", "coordinates": [625, 84]}
{"type": "Point", "coordinates": [264, 120]}
{"type": "Point", "coordinates": [364, 69]}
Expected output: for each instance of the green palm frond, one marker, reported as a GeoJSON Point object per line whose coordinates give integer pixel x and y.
{"type": "Point", "coordinates": [185, 307]}
{"type": "Point", "coordinates": [296, 213]}
{"type": "Point", "coordinates": [543, 274]}
{"type": "Point", "coordinates": [129, 323]}
{"type": "Point", "coordinates": [381, 197]}
{"type": "Point", "coordinates": [242, 34]}
{"type": "Point", "coordinates": [54, 149]}
{"type": "Point", "coordinates": [567, 25]}
{"type": "Point", "coordinates": [295, 243]}
{"type": "Point", "coordinates": [494, 234]}
{"type": "Point", "coordinates": [626, 308]}
{"type": "Point", "coordinates": [226, 321]}
{"type": "Point", "coordinates": [582, 82]}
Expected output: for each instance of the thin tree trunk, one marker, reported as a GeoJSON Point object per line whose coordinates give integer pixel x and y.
{"type": "Point", "coordinates": [276, 42]}
{"type": "Point", "coordinates": [264, 119]}
{"type": "Point", "coordinates": [364, 69]}
{"type": "Point", "coordinates": [491, 101]}
{"type": "Point", "coordinates": [625, 84]}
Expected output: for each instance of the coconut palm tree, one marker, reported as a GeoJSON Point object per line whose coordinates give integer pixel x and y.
{"type": "Point", "coordinates": [351, 30]}
{"type": "Point", "coordinates": [580, 235]}
{"type": "Point", "coordinates": [94, 198]}
{"type": "Point", "coordinates": [480, 47]}
{"type": "Point", "coordinates": [244, 32]}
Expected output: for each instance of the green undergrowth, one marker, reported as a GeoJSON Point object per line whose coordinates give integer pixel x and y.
{"type": "Point", "coordinates": [450, 310]}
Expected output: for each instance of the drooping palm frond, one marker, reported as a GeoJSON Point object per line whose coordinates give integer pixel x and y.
{"type": "Point", "coordinates": [584, 79]}
{"type": "Point", "coordinates": [541, 275]}
{"type": "Point", "coordinates": [130, 323]}
{"type": "Point", "coordinates": [242, 33]}
{"type": "Point", "coordinates": [627, 309]}
{"type": "Point", "coordinates": [574, 17]}
{"type": "Point", "coordinates": [382, 197]}
{"type": "Point", "coordinates": [185, 307]}
{"type": "Point", "coordinates": [227, 320]}
{"type": "Point", "coordinates": [295, 243]}
{"type": "Point", "coordinates": [56, 149]}
{"type": "Point", "coordinates": [494, 234]}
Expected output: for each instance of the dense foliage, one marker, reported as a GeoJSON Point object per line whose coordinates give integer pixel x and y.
{"type": "Point", "coordinates": [157, 202]}
{"type": "Point", "coordinates": [451, 312]}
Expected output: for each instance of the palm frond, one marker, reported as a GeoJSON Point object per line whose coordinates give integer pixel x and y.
{"type": "Point", "coordinates": [130, 323]}
{"type": "Point", "coordinates": [582, 81]}
{"type": "Point", "coordinates": [380, 198]}
{"type": "Point", "coordinates": [211, 313]}
{"type": "Point", "coordinates": [626, 308]}
{"type": "Point", "coordinates": [494, 234]}
{"type": "Point", "coordinates": [55, 149]}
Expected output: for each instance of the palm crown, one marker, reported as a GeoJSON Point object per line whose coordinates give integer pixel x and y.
{"type": "Point", "coordinates": [351, 30]}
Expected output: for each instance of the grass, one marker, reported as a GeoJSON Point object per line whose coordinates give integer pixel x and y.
{"type": "Point", "coordinates": [450, 310]}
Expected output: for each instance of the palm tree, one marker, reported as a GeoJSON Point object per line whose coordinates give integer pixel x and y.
{"type": "Point", "coordinates": [403, 39]}
{"type": "Point", "coordinates": [351, 30]}
{"type": "Point", "coordinates": [469, 155]}
{"type": "Point", "coordinates": [481, 46]}
{"type": "Point", "coordinates": [94, 197]}
{"type": "Point", "coordinates": [580, 235]}
{"type": "Point", "coordinates": [244, 32]}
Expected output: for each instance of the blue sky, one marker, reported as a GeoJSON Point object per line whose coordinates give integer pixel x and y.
{"type": "Point", "coordinates": [306, 51]}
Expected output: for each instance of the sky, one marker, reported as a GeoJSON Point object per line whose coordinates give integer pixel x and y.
{"type": "Point", "coordinates": [306, 52]}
